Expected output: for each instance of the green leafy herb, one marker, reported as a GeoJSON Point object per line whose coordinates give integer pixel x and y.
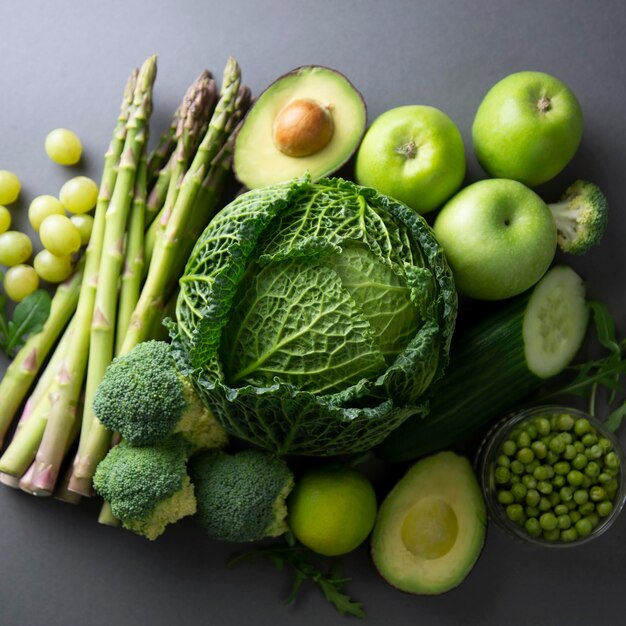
{"type": "Point", "coordinates": [603, 373]}
{"type": "Point", "coordinates": [29, 317]}
{"type": "Point", "coordinates": [306, 565]}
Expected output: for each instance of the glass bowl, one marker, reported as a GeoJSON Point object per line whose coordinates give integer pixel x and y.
{"type": "Point", "coordinates": [487, 461]}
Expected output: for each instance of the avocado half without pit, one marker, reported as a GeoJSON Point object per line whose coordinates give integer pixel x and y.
{"type": "Point", "coordinates": [309, 120]}
{"type": "Point", "coordinates": [431, 527]}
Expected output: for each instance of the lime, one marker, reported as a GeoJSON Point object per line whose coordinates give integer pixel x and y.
{"type": "Point", "coordinates": [332, 509]}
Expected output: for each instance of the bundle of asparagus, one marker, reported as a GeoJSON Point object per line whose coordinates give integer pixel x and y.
{"type": "Point", "coordinates": [150, 210]}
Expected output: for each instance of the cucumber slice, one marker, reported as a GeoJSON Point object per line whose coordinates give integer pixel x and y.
{"type": "Point", "coordinates": [555, 322]}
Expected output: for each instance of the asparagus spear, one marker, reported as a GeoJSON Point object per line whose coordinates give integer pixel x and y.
{"type": "Point", "coordinates": [162, 152]}
{"type": "Point", "coordinates": [154, 292]}
{"type": "Point", "coordinates": [28, 361]}
{"type": "Point", "coordinates": [133, 256]}
{"type": "Point", "coordinates": [195, 113]}
{"type": "Point", "coordinates": [158, 192]}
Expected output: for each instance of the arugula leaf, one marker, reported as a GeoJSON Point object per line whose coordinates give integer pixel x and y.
{"type": "Point", "coordinates": [306, 566]}
{"type": "Point", "coordinates": [614, 420]}
{"type": "Point", "coordinates": [29, 317]}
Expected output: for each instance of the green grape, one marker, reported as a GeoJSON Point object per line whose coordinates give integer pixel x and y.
{"type": "Point", "coordinates": [20, 281]}
{"type": "Point", "coordinates": [59, 236]}
{"type": "Point", "coordinates": [5, 219]}
{"type": "Point", "coordinates": [54, 269]}
{"type": "Point", "coordinates": [42, 207]}
{"type": "Point", "coordinates": [15, 248]}
{"type": "Point", "coordinates": [63, 146]}
{"type": "Point", "coordinates": [9, 187]}
{"type": "Point", "coordinates": [84, 223]}
{"type": "Point", "coordinates": [79, 194]}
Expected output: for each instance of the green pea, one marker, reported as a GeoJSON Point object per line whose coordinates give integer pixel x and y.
{"type": "Point", "coordinates": [595, 452]}
{"type": "Point", "coordinates": [558, 481]}
{"type": "Point", "coordinates": [571, 505]}
{"type": "Point", "coordinates": [518, 491]}
{"type": "Point", "coordinates": [544, 504]}
{"type": "Point", "coordinates": [525, 456]}
{"type": "Point", "coordinates": [611, 460]}
{"type": "Point", "coordinates": [532, 526]}
{"type": "Point", "coordinates": [597, 494]}
{"type": "Point", "coordinates": [557, 445]}
{"type": "Point", "coordinates": [594, 519]}
{"type": "Point", "coordinates": [589, 440]}
{"type": "Point", "coordinates": [579, 447]}
{"type": "Point", "coordinates": [532, 466]}
{"type": "Point", "coordinates": [575, 478]}
{"type": "Point", "coordinates": [515, 512]}
{"type": "Point", "coordinates": [554, 498]}
{"type": "Point", "coordinates": [561, 509]}
{"type": "Point", "coordinates": [541, 473]}
{"type": "Point", "coordinates": [548, 521]}
{"type": "Point", "coordinates": [592, 470]}
{"type": "Point", "coordinates": [529, 481]}
{"type": "Point", "coordinates": [523, 441]}
{"type": "Point", "coordinates": [586, 482]}
{"type": "Point", "coordinates": [552, 457]}
{"type": "Point", "coordinates": [569, 535]}
{"type": "Point", "coordinates": [580, 461]}
{"type": "Point", "coordinates": [532, 497]}
{"type": "Point", "coordinates": [565, 422]}
{"type": "Point", "coordinates": [583, 527]}
{"type": "Point", "coordinates": [566, 493]}
{"type": "Point", "coordinates": [574, 516]}
{"type": "Point", "coordinates": [604, 477]}
{"type": "Point", "coordinates": [603, 509]}
{"type": "Point", "coordinates": [509, 448]}
{"type": "Point", "coordinates": [570, 451]}
{"type": "Point", "coordinates": [543, 426]}
{"type": "Point", "coordinates": [532, 511]}
{"type": "Point", "coordinates": [515, 478]}
{"type": "Point", "coordinates": [544, 487]}
{"type": "Point", "coordinates": [587, 508]}
{"type": "Point", "coordinates": [503, 461]}
{"type": "Point", "coordinates": [505, 497]}
{"type": "Point", "coordinates": [502, 475]}
{"type": "Point", "coordinates": [605, 444]}
{"type": "Point", "coordinates": [531, 430]}
{"type": "Point", "coordinates": [539, 449]}
{"type": "Point", "coordinates": [612, 485]}
{"type": "Point", "coordinates": [582, 426]}
{"type": "Point", "coordinates": [581, 496]}
{"type": "Point", "coordinates": [552, 535]}
{"type": "Point", "coordinates": [562, 467]}
{"type": "Point", "coordinates": [564, 521]}
{"type": "Point", "coordinates": [517, 467]}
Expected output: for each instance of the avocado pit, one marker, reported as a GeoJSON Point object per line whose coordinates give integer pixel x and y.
{"type": "Point", "coordinates": [430, 528]}
{"type": "Point", "coordinates": [303, 127]}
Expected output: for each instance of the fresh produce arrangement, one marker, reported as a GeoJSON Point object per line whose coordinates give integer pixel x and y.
{"type": "Point", "coordinates": [238, 357]}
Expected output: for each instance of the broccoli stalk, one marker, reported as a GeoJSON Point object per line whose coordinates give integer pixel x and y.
{"type": "Point", "coordinates": [148, 488]}
{"type": "Point", "coordinates": [145, 398]}
{"type": "Point", "coordinates": [581, 217]}
{"type": "Point", "coordinates": [241, 497]}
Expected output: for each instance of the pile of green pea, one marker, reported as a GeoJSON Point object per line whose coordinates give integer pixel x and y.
{"type": "Point", "coordinates": [556, 477]}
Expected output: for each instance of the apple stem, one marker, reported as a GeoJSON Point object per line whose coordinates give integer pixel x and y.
{"type": "Point", "coordinates": [407, 150]}
{"type": "Point", "coordinates": [544, 104]}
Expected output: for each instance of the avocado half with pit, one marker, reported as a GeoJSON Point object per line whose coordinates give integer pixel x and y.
{"type": "Point", "coordinates": [431, 527]}
{"type": "Point", "coordinates": [309, 120]}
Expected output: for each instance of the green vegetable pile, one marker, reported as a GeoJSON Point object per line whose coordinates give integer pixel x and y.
{"type": "Point", "coordinates": [557, 477]}
{"type": "Point", "coordinates": [313, 316]}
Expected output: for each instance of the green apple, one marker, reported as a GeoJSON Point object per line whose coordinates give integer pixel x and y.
{"type": "Point", "coordinates": [414, 154]}
{"type": "Point", "coordinates": [499, 237]}
{"type": "Point", "coordinates": [528, 127]}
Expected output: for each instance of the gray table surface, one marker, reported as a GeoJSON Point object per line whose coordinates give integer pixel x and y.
{"type": "Point", "coordinates": [65, 63]}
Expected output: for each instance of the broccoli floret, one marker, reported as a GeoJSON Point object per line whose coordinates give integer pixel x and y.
{"type": "Point", "coordinates": [581, 217]}
{"type": "Point", "coordinates": [147, 487]}
{"type": "Point", "coordinates": [241, 497]}
{"type": "Point", "coordinates": [144, 397]}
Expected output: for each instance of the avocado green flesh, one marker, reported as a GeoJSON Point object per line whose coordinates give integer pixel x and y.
{"type": "Point", "coordinates": [258, 162]}
{"type": "Point", "coordinates": [431, 527]}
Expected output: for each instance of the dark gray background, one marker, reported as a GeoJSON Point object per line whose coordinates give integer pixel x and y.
{"type": "Point", "coordinates": [65, 64]}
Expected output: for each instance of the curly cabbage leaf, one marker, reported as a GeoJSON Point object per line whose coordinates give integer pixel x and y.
{"type": "Point", "coordinates": [313, 316]}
